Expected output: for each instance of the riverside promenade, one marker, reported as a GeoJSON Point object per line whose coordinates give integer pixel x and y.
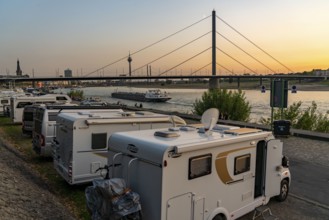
{"type": "Point", "coordinates": [23, 194]}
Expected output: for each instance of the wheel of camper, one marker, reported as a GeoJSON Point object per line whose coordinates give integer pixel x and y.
{"type": "Point", "coordinates": [284, 190]}
{"type": "Point", "coordinates": [219, 217]}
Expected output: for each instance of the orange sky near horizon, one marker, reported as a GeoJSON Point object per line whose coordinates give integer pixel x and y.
{"type": "Point", "coordinates": [51, 36]}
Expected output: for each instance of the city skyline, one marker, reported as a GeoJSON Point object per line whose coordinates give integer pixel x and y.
{"type": "Point", "coordinates": [49, 37]}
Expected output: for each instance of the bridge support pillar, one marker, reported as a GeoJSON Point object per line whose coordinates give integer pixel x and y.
{"type": "Point", "coordinates": [213, 83]}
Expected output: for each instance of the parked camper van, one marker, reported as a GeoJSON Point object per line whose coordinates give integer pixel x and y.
{"type": "Point", "coordinates": [45, 121]}
{"type": "Point", "coordinates": [18, 103]}
{"type": "Point", "coordinates": [29, 112]}
{"type": "Point", "coordinates": [81, 139]}
{"type": "Point", "coordinates": [5, 99]}
{"type": "Point", "coordinates": [4, 104]}
{"type": "Point", "coordinates": [27, 120]}
{"type": "Point", "coordinates": [197, 174]}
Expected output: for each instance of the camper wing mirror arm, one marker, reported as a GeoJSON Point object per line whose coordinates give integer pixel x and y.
{"type": "Point", "coordinates": [129, 164]}
{"type": "Point", "coordinates": [113, 160]}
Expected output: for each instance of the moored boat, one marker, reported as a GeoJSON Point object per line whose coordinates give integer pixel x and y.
{"type": "Point", "coordinates": [152, 95]}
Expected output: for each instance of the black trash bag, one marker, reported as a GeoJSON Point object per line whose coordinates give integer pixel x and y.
{"type": "Point", "coordinates": [126, 204]}
{"type": "Point", "coordinates": [110, 199]}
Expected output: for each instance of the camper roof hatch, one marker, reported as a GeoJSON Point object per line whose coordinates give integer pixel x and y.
{"type": "Point", "coordinates": [242, 131]}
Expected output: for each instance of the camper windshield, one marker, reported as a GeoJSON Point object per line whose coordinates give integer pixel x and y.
{"type": "Point", "coordinates": [52, 116]}
{"type": "Point", "coordinates": [38, 120]}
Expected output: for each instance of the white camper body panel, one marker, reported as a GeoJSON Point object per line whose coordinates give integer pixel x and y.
{"type": "Point", "coordinates": [45, 126]}
{"type": "Point", "coordinates": [81, 140]}
{"type": "Point", "coordinates": [194, 175]}
{"type": "Point", "coordinates": [17, 103]}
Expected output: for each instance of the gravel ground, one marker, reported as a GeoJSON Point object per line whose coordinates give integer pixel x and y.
{"type": "Point", "coordinates": [22, 194]}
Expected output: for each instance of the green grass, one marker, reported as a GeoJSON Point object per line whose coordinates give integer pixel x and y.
{"type": "Point", "coordinates": [72, 196]}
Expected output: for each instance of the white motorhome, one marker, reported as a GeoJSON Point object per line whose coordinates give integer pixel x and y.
{"type": "Point", "coordinates": [17, 103]}
{"type": "Point", "coordinates": [5, 99]}
{"type": "Point", "coordinates": [192, 174]}
{"type": "Point", "coordinates": [44, 123]}
{"type": "Point", "coordinates": [81, 139]}
{"type": "Point", "coordinates": [4, 104]}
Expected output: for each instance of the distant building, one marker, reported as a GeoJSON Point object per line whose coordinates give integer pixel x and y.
{"type": "Point", "coordinates": [67, 73]}
{"type": "Point", "coordinates": [319, 72]}
{"type": "Point", "coordinates": [18, 69]}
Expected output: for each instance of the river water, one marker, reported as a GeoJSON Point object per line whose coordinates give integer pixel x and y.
{"type": "Point", "coordinates": [183, 99]}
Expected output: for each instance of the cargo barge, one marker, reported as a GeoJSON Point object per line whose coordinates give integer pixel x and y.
{"type": "Point", "coordinates": [152, 95]}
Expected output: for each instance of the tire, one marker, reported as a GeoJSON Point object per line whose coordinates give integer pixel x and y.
{"type": "Point", "coordinates": [284, 190]}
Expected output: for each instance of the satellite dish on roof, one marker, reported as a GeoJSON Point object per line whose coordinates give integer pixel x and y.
{"type": "Point", "coordinates": [209, 118]}
{"type": "Point", "coordinates": [177, 120]}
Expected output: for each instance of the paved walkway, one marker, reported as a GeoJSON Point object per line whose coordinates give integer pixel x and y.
{"type": "Point", "coordinates": [304, 202]}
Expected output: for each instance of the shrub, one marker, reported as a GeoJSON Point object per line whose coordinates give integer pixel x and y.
{"type": "Point", "coordinates": [76, 95]}
{"type": "Point", "coordinates": [231, 105]}
{"type": "Point", "coordinates": [309, 119]}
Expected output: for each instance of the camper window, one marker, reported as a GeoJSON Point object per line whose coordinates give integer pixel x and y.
{"type": "Point", "coordinates": [98, 140]}
{"type": "Point", "coordinates": [4, 101]}
{"type": "Point", "coordinates": [61, 98]}
{"type": "Point", "coordinates": [242, 164]}
{"type": "Point", "coordinates": [22, 104]}
{"type": "Point", "coordinates": [199, 166]}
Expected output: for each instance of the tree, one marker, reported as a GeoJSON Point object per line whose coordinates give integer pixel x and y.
{"type": "Point", "coordinates": [231, 105]}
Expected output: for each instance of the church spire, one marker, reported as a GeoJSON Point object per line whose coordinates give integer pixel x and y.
{"type": "Point", "coordinates": [18, 70]}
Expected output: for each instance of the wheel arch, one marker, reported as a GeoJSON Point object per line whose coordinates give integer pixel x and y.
{"type": "Point", "coordinates": [219, 211]}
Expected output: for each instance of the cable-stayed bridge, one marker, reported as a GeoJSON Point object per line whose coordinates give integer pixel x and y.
{"type": "Point", "coordinates": [207, 69]}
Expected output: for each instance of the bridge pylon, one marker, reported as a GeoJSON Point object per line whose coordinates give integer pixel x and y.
{"type": "Point", "coordinates": [213, 82]}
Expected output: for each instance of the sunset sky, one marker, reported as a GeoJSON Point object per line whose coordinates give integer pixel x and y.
{"type": "Point", "coordinates": [50, 36]}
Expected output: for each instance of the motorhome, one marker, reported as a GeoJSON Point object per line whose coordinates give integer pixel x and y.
{"type": "Point", "coordinates": [5, 99]}
{"type": "Point", "coordinates": [44, 122]}
{"type": "Point", "coordinates": [29, 113]}
{"type": "Point", "coordinates": [27, 118]}
{"type": "Point", "coordinates": [4, 104]}
{"type": "Point", "coordinates": [81, 139]}
{"type": "Point", "coordinates": [17, 103]}
{"type": "Point", "coordinates": [200, 174]}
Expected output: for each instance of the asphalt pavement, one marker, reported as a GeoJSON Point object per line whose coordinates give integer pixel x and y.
{"type": "Point", "coordinates": [309, 189]}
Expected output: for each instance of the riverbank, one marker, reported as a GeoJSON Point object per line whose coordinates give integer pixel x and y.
{"type": "Point", "coordinates": [226, 85]}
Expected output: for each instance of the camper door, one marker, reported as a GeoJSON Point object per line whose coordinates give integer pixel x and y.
{"type": "Point", "coordinates": [273, 163]}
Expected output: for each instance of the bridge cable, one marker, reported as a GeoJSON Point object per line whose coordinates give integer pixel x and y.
{"type": "Point", "coordinates": [225, 68]}
{"type": "Point", "coordinates": [150, 45]}
{"type": "Point", "coordinates": [236, 60]}
{"type": "Point", "coordinates": [171, 52]}
{"type": "Point", "coordinates": [246, 52]}
{"type": "Point", "coordinates": [254, 44]}
{"type": "Point", "coordinates": [200, 69]}
{"type": "Point", "coordinates": [184, 61]}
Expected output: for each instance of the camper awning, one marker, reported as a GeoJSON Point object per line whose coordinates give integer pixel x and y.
{"type": "Point", "coordinates": [129, 120]}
